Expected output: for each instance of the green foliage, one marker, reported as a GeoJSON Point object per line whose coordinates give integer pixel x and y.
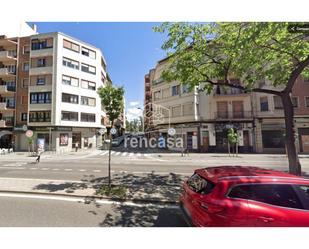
{"type": "Point", "coordinates": [112, 99]}
{"type": "Point", "coordinates": [253, 52]}
{"type": "Point", "coordinates": [232, 136]}
{"type": "Point", "coordinates": [134, 125]}
{"type": "Point", "coordinates": [113, 191]}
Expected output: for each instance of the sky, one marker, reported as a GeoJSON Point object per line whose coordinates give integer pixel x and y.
{"type": "Point", "coordinates": [131, 49]}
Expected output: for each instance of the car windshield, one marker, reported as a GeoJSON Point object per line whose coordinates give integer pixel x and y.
{"type": "Point", "coordinates": [200, 185]}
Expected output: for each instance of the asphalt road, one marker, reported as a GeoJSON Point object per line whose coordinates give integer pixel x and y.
{"type": "Point", "coordinates": [29, 211]}
{"type": "Point", "coordinates": [96, 166]}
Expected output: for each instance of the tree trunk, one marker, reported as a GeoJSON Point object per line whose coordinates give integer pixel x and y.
{"type": "Point", "coordinates": [294, 164]}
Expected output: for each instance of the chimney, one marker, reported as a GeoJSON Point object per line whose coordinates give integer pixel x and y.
{"type": "Point", "coordinates": [34, 27]}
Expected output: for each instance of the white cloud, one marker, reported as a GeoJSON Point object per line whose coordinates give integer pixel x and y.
{"type": "Point", "coordinates": [133, 113]}
{"type": "Point", "coordinates": [134, 103]}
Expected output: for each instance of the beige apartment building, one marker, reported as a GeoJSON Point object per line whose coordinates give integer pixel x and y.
{"type": "Point", "coordinates": [48, 84]}
{"type": "Point", "coordinates": [203, 120]}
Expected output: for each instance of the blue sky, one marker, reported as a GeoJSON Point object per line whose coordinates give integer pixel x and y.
{"type": "Point", "coordinates": [130, 49]}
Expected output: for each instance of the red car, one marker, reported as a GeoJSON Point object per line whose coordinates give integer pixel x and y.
{"type": "Point", "coordinates": [245, 196]}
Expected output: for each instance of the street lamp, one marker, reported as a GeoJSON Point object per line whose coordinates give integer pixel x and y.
{"type": "Point", "coordinates": [143, 121]}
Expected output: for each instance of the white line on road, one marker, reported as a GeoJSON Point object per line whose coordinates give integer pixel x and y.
{"type": "Point", "coordinates": [68, 169]}
{"type": "Point", "coordinates": [34, 168]}
{"type": "Point", "coordinates": [104, 153]}
{"type": "Point", "coordinates": [124, 153]}
{"type": "Point", "coordinates": [139, 154]}
{"type": "Point", "coordinates": [45, 169]}
{"type": "Point", "coordinates": [117, 153]}
{"type": "Point", "coordinates": [21, 168]}
{"type": "Point", "coordinates": [131, 154]}
{"type": "Point", "coordinates": [82, 170]}
{"type": "Point", "coordinates": [96, 170]}
{"type": "Point", "coordinates": [84, 199]}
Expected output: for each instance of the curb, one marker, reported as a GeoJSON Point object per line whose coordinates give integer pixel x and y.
{"type": "Point", "coordinates": [96, 197]}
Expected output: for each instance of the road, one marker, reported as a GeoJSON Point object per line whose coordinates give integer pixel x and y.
{"type": "Point", "coordinates": [77, 168]}
{"type": "Point", "coordinates": [41, 211]}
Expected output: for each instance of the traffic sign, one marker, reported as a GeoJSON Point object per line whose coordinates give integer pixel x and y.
{"type": "Point", "coordinates": [102, 131]}
{"type": "Point", "coordinates": [113, 131]}
{"type": "Point", "coordinates": [25, 128]}
{"type": "Point", "coordinates": [171, 131]}
{"type": "Point", "coordinates": [29, 133]}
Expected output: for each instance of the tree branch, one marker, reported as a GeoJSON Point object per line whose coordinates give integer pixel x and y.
{"type": "Point", "coordinates": [295, 73]}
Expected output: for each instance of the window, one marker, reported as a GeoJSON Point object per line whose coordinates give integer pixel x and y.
{"type": "Point", "coordinates": [26, 66]}
{"type": "Point", "coordinates": [176, 111]}
{"type": "Point", "coordinates": [24, 116]}
{"type": "Point", "coordinates": [303, 191]}
{"type": "Point", "coordinates": [264, 104]}
{"type": "Point", "coordinates": [69, 98]}
{"type": "Point", "coordinates": [25, 82]}
{"type": "Point", "coordinates": [282, 195]}
{"type": "Point", "coordinates": [88, 85]}
{"type": "Point", "coordinates": [88, 52]}
{"type": "Point", "coordinates": [88, 69]}
{"type": "Point", "coordinates": [185, 88]}
{"type": "Point", "coordinates": [87, 101]}
{"type": "Point", "coordinates": [40, 80]}
{"type": "Point", "coordinates": [39, 44]}
{"type": "Point", "coordinates": [40, 116]}
{"type": "Point", "coordinates": [40, 98]}
{"type": "Point", "coordinates": [41, 62]}
{"type": "Point", "coordinates": [294, 101]}
{"type": "Point", "coordinates": [166, 92]}
{"type": "Point", "coordinates": [26, 49]}
{"type": "Point", "coordinates": [87, 117]}
{"type": "Point", "coordinates": [70, 45]}
{"type": "Point", "coordinates": [67, 80]}
{"type": "Point", "coordinates": [278, 102]}
{"type": "Point", "coordinates": [69, 116]}
{"type": "Point", "coordinates": [70, 63]}
{"type": "Point", "coordinates": [307, 101]}
{"type": "Point", "coordinates": [157, 95]}
{"type": "Point", "coordinates": [175, 90]}
{"type": "Point", "coordinates": [200, 185]}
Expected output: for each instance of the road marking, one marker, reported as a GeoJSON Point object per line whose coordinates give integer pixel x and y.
{"type": "Point", "coordinates": [34, 168]}
{"type": "Point", "coordinates": [45, 169]}
{"type": "Point", "coordinates": [124, 153]}
{"type": "Point", "coordinates": [21, 168]}
{"type": "Point", "coordinates": [55, 169]}
{"type": "Point", "coordinates": [68, 169]}
{"type": "Point", "coordinates": [84, 199]}
{"type": "Point", "coordinates": [117, 153]}
{"type": "Point", "coordinates": [112, 152]}
{"type": "Point", "coordinates": [96, 170]}
{"type": "Point", "coordinates": [139, 154]}
{"type": "Point", "coordinates": [104, 153]}
{"type": "Point", "coordinates": [82, 170]}
{"type": "Point", "coordinates": [131, 154]}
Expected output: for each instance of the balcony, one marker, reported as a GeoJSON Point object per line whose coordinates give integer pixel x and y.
{"type": "Point", "coordinates": [8, 56]}
{"type": "Point", "coordinates": [4, 72]}
{"type": "Point", "coordinates": [233, 115]}
{"type": "Point", "coordinates": [157, 81]}
{"type": "Point", "coordinates": [5, 89]}
{"type": "Point", "coordinates": [7, 122]}
{"type": "Point", "coordinates": [5, 107]}
{"type": "Point", "coordinates": [41, 70]}
{"type": "Point", "coordinates": [228, 91]}
{"type": "Point", "coordinates": [42, 52]}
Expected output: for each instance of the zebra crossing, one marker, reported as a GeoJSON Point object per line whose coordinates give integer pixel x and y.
{"type": "Point", "coordinates": [123, 154]}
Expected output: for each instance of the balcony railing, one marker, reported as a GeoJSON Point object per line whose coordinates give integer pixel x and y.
{"type": "Point", "coordinates": [7, 55]}
{"type": "Point", "coordinates": [5, 72]}
{"type": "Point", "coordinates": [6, 88]}
{"type": "Point", "coordinates": [6, 106]}
{"type": "Point", "coordinates": [233, 115]}
{"type": "Point", "coordinates": [7, 122]}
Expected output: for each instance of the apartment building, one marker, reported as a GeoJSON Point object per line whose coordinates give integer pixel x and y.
{"type": "Point", "coordinates": [57, 81]}
{"type": "Point", "coordinates": [204, 120]}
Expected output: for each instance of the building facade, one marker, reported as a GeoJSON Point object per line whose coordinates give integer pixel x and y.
{"type": "Point", "coordinates": [56, 92]}
{"type": "Point", "coordinates": [203, 120]}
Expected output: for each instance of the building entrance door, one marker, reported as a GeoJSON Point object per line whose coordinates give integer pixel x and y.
{"type": "Point", "coordinates": [246, 142]}
{"type": "Point", "coordinates": [221, 141]}
{"type": "Point", "coordinates": [76, 138]}
{"type": "Point", "coordinates": [305, 143]}
{"type": "Point", "coordinates": [205, 140]}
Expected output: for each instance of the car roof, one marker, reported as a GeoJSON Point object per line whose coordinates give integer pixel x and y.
{"type": "Point", "coordinates": [214, 174]}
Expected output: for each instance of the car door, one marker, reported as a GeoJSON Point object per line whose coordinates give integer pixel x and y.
{"type": "Point", "coordinates": [273, 205]}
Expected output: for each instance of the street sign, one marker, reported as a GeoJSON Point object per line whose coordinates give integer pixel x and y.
{"type": "Point", "coordinates": [113, 131]}
{"type": "Point", "coordinates": [25, 128]}
{"type": "Point", "coordinates": [29, 133]}
{"type": "Point", "coordinates": [102, 131]}
{"type": "Point", "coordinates": [171, 131]}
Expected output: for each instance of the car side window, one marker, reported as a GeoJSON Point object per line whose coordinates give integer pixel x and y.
{"type": "Point", "coordinates": [282, 195]}
{"type": "Point", "coordinates": [241, 191]}
{"type": "Point", "coordinates": [303, 191]}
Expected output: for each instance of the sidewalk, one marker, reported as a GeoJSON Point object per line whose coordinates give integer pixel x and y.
{"type": "Point", "coordinates": [148, 188]}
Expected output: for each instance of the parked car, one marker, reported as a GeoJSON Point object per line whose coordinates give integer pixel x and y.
{"type": "Point", "coordinates": [245, 196]}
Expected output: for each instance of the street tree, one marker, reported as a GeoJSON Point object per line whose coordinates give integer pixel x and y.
{"type": "Point", "coordinates": [112, 99]}
{"type": "Point", "coordinates": [232, 138]}
{"type": "Point", "coordinates": [265, 57]}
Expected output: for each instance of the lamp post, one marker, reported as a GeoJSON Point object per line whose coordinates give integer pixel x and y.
{"type": "Point", "coordinates": [143, 122]}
